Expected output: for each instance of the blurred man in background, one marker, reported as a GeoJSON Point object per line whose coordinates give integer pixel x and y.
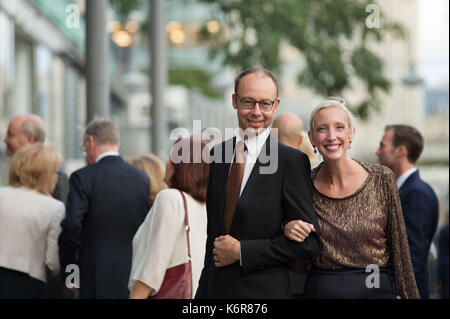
{"type": "Point", "coordinates": [400, 148]}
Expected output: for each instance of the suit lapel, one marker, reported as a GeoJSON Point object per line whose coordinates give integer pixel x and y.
{"type": "Point", "coordinates": [410, 180]}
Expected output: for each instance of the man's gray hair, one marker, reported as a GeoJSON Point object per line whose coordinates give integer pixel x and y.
{"type": "Point", "coordinates": [33, 126]}
{"type": "Point", "coordinates": [103, 131]}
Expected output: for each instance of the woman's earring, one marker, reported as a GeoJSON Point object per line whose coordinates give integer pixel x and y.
{"type": "Point", "coordinates": [315, 150]}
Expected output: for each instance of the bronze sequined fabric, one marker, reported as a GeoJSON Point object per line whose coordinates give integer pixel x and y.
{"type": "Point", "coordinates": [366, 228]}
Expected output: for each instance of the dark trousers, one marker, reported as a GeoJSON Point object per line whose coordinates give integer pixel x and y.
{"type": "Point", "coordinates": [18, 285]}
{"type": "Point", "coordinates": [347, 284]}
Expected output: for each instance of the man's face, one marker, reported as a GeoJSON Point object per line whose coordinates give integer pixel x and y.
{"type": "Point", "coordinates": [257, 87]}
{"type": "Point", "coordinates": [387, 153]}
{"type": "Point", "coordinates": [15, 139]}
{"type": "Point", "coordinates": [89, 149]}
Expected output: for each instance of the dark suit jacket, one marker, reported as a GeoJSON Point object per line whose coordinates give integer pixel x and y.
{"type": "Point", "coordinates": [107, 203]}
{"type": "Point", "coordinates": [421, 211]}
{"type": "Point", "coordinates": [61, 190]}
{"type": "Point", "coordinates": [266, 202]}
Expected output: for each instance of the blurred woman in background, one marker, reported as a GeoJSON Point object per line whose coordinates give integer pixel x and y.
{"type": "Point", "coordinates": [160, 243]}
{"type": "Point", "coordinates": [154, 168]}
{"type": "Point", "coordinates": [29, 223]}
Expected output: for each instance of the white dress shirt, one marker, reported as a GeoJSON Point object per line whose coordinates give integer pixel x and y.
{"type": "Point", "coordinates": [112, 153]}
{"type": "Point", "coordinates": [254, 145]}
{"type": "Point", "coordinates": [402, 179]}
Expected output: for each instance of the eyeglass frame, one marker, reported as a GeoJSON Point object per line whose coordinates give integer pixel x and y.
{"type": "Point", "coordinates": [254, 102]}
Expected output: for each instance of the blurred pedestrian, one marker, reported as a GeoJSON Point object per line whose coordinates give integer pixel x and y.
{"type": "Point", "coordinates": [29, 129]}
{"type": "Point", "coordinates": [29, 223]}
{"type": "Point", "coordinates": [108, 201]}
{"type": "Point", "coordinates": [443, 267]}
{"type": "Point", "coordinates": [359, 214]}
{"type": "Point", "coordinates": [154, 168]}
{"type": "Point", "coordinates": [161, 243]}
{"type": "Point", "coordinates": [290, 133]}
{"type": "Point", "coordinates": [256, 184]}
{"type": "Point", "coordinates": [400, 148]}
{"type": "Point", "coordinates": [25, 130]}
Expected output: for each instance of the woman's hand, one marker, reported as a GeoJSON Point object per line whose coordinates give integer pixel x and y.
{"type": "Point", "coordinates": [298, 230]}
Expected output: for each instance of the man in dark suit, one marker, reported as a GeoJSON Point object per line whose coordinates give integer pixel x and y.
{"type": "Point", "coordinates": [255, 185]}
{"type": "Point", "coordinates": [28, 129]}
{"type": "Point", "coordinates": [108, 200]}
{"type": "Point", "coordinates": [399, 150]}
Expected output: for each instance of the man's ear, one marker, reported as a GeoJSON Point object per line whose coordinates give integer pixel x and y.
{"type": "Point", "coordinates": [402, 151]}
{"type": "Point", "coordinates": [300, 141]}
{"type": "Point", "coordinates": [91, 140]}
{"type": "Point", "coordinates": [233, 98]}
{"type": "Point", "coordinates": [30, 139]}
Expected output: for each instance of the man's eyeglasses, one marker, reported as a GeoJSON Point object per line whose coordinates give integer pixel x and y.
{"type": "Point", "coordinates": [249, 103]}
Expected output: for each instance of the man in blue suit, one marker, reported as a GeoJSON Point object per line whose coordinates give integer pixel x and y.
{"type": "Point", "coordinates": [108, 200]}
{"type": "Point", "coordinates": [399, 150]}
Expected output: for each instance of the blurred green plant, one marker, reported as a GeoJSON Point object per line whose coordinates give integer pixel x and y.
{"type": "Point", "coordinates": [332, 35]}
{"type": "Point", "coordinates": [192, 78]}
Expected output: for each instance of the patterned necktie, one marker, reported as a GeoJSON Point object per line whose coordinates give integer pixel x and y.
{"type": "Point", "coordinates": [233, 187]}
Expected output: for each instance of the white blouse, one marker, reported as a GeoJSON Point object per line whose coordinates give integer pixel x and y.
{"type": "Point", "coordinates": [29, 230]}
{"type": "Point", "coordinates": [160, 242]}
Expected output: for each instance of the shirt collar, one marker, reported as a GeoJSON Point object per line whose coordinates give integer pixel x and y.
{"type": "Point", "coordinates": [402, 179]}
{"type": "Point", "coordinates": [256, 142]}
{"type": "Point", "coordinates": [112, 153]}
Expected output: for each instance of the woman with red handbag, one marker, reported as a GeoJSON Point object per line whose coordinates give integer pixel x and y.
{"type": "Point", "coordinates": [169, 246]}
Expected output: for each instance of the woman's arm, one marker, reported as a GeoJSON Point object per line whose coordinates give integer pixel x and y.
{"type": "Point", "coordinates": [141, 291]}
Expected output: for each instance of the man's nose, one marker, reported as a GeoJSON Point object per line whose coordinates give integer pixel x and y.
{"type": "Point", "coordinates": [257, 109]}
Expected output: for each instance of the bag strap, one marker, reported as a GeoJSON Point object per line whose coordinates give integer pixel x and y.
{"type": "Point", "coordinates": [186, 223]}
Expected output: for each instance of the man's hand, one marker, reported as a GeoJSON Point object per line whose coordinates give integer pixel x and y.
{"type": "Point", "coordinates": [227, 250]}
{"type": "Point", "coordinates": [298, 230]}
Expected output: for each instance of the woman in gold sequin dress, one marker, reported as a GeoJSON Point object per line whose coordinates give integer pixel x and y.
{"type": "Point", "coordinates": [364, 251]}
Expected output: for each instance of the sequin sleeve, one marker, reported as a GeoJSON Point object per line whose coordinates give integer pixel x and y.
{"type": "Point", "coordinates": [398, 241]}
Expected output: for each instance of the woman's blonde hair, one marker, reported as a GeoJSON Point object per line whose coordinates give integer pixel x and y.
{"type": "Point", "coordinates": [154, 168]}
{"type": "Point", "coordinates": [34, 166]}
{"type": "Point", "coordinates": [331, 102]}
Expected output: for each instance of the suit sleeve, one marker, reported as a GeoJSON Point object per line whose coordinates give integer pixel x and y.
{"type": "Point", "coordinates": [72, 225]}
{"type": "Point", "coordinates": [297, 204]}
{"type": "Point", "coordinates": [397, 241]}
{"type": "Point", "coordinates": [61, 190]}
{"type": "Point", "coordinates": [202, 284]}
{"type": "Point", "coordinates": [421, 217]}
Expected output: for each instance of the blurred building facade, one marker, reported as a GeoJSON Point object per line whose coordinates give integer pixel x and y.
{"type": "Point", "coordinates": [42, 44]}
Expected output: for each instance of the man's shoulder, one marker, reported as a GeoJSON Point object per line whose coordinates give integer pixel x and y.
{"type": "Point", "coordinates": [417, 186]}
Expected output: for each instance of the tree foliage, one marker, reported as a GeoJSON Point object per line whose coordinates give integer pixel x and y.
{"type": "Point", "coordinates": [332, 36]}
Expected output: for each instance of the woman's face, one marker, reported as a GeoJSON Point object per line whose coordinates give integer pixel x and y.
{"type": "Point", "coordinates": [169, 172]}
{"type": "Point", "coordinates": [332, 133]}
